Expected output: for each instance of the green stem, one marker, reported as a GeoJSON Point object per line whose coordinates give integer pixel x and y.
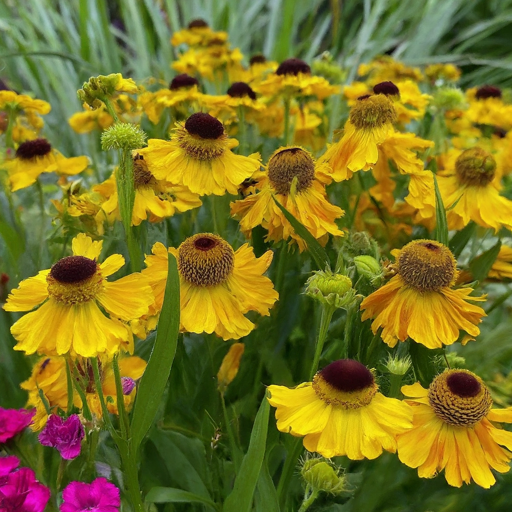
{"type": "Point", "coordinates": [235, 453]}
{"type": "Point", "coordinates": [395, 385]}
{"type": "Point", "coordinates": [11, 121]}
{"type": "Point", "coordinates": [325, 321]}
{"type": "Point", "coordinates": [123, 416]}
{"type": "Point", "coordinates": [213, 212]}
{"type": "Point", "coordinates": [309, 500]}
{"type": "Point", "coordinates": [92, 439]}
{"type": "Point", "coordinates": [99, 390]}
{"type": "Point", "coordinates": [131, 473]}
{"type": "Point", "coordinates": [60, 473]}
{"type": "Point", "coordinates": [288, 469]}
{"type": "Point", "coordinates": [110, 109]}
{"type": "Point", "coordinates": [286, 137]}
{"type": "Point", "coordinates": [347, 349]}
{"type": "Point", "coordinates": [69, 381]}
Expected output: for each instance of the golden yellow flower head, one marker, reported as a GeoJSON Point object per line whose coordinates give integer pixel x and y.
{"type": "Point", "coordinates": [459, 397]}
{"type": "Point", "coordinates": [205, 259]}
{"type": "Point", "coordinates": [345, 383]}
{"type": "Point", "coordinates": [475, 166]}
{"type": "Point", "coordinates": [372, 112]}
{"type": "Point", "coordinates": [427, 265]}
{"type": "Point", "coordinates": [290, 164]}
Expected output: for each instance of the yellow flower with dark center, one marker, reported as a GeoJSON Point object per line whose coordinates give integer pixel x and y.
{"type": "Point", "coordinates": [293, 78]}
{"type": "Point", "coordinates": [154, 199]}
{"type": "Point", "coordinates": [420, 303]}
{"type": "Point", "coordinates": [217, 285]}
{"type": "Point", "coordinates": [199, 157]}
{"type": "Point", "coordinates": [370, 123]}
{"type": "Point", "coordinates": [502, 267]}
{"type": "Point", "coordinates": [298, 184]}
{"type": "Point", "coordinates": [49, 377]}
{"type": "Point", "coordinates": [341, 412]}
{"type": "Point", "coordinates": [198, 33]}
{"type": "Point", "coordinates": [68, 320]}
{"type": "Point", "coordinates": [453, 430]}
{"type": "Point", "coordinates": [37, 156]}
{"type": "Point", "coordinates": [471, 192]}
{"type": "Point", "coordinates": [486, 107]}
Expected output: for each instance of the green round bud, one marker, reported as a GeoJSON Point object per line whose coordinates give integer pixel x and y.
{"type": "Point", "coordinates": [123, 136]}
{"type": "Point", "coordinates": [368, 266]}
{"type": "Point", "coordinates": [321, 476]}
{"type": "Point", "coordinates": [398, 366]}
{"type": "Point", "coordinates": [337, 283]}
{"type": "Point", "coordinates": [449, 98]}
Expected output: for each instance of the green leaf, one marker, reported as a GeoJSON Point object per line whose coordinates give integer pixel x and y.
{"type": "Point", "coordinates": [266, 499]}
{"type": "Point", "coordinates": [152, 384]}
{"type": "Point", "coordinates": [170, 495]}
{"type": "Point", "coordinates": [240, 499]}
{"type": "Point", "coordinates": [315, 249]}
{"type": "Point", "coordinates": [423, 362]}
{"type": "Point", "coordinates": [480, 266]}
{"type": "Point", "coordinates": [441, 222]}
{"type": "Point", "coordinates": [461, 238]}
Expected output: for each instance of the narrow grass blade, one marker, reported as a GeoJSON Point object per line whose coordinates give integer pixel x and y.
{"type": "Point", "coordinates": [170, 495]}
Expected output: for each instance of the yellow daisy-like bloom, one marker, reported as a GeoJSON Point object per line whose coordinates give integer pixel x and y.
{"type": "Point", "coordinates": [183, 94]}
{"type": "Point", "coordinates": [199, 157]}
{"type": "Point", "coordinates": [217, 285]}
{"type": "Point", "coordinates": [294, 181]}
{"type": "Point", "coordinates": [444, 72]}
{"type": "Point", "coordinates": [309, 128]}
{"type": "Point", "coordinates": [154, 199]}
{"type": "Point", "coordinates": [37, 156]}
{"type": "Point", "coordinates": [341, 413]}
{"type": "Point", "coordinates": [453, 430]}
{"type": "Point", "coordinates": [198, 33]}
{"type": "Point", "coordinates": [293, 77]}
{"type": "Point", "coordinates": [370, 123]}
{"type": "Point", "coordinates": [502, 267]}
{"type": "Point", "coordinates": [487, 107]}
{"type": "Point", "coordinates": [11, 100]}
{"type": "Point", "coordinates": [49, 376]}
{"type": "Point", "coordinates": [472, 192]}
{"type": "Point", "coordinates": [419, 301]}
{"type": "Point", "coordinates": [239, 95]}
{"type": "Point", "coordinates": [385, 68]}
{"type": "Point", "coordinates": [69, 320]}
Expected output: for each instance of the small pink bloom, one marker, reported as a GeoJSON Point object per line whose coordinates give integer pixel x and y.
{"type": "Point", "coordinates": [128, 385]}
{"type": "Point", "coordinates": [65, 435]}
{"type": "Point", "coordinates": [8, 465]}
{"type": "Point", "coordinates": [99, 496]}
{"type": "Point", "coordinates": [20, 491]}
{"type": "Point", "coordinates": [13, 421]}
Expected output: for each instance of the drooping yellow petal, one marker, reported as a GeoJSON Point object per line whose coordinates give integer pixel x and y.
{"type": "Point", "coordinates": [83, 245]}
{"type": "Point", "coordinates": [29, 294]}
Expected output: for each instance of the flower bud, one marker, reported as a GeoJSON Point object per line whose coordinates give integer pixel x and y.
{"type": "Point", "coordinates": [123, 136]}
{"type": "Point", "coordinates": [368, 267]}
{"type": "Point", "coordinates": [99, 88]}
{"type": "Point", "coordinates": [230, 365]}
{"type": "Point", "coordinates": [398, 366]}
{"type": "Point", "coordinates": [330, 289]}
{"type": "Point", "coordinates": [322, 476]}
{"type": "Point", "coordinates": [328, 69]}
{"type": "Point", "coordinates": [128, 385]}
{"type": "Point", "coordinates": [449, 98]}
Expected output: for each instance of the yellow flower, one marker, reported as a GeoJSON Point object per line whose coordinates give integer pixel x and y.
{"type": "Point", "coordinates": [230, 365]}
{"type": "Point", "coordinates": [154, 199]}
{"type": "Point", "coordinates": [419, 301]}
{"type": "Point", "coordinates": [11, 100]}
{"type": "Point", "coordinates": [199, 157]}
{"type": "Point", "coordinates": [385, 68]}
{"type": "Point", "coordinates": [198, 33]}
{"type": "Point", "coordinates": [341, 412]}
{"type": "Point", "coordinates": [370, 123]}
{"type": "Point", "coordinates": [486, 107]}
{"type": "Point", "coordinates": [293, 77]}
{"type": "Point", "coordinates": [444, 72]}
{"type": "Point", "coordinates": [309, 131]}
{"type": "Point", "coordinates": [453, 430]}
{"type": "Point", "coordinates": [49, 376]}
{"type": "Point", "coordinates": [217, 285]}
{"type": "Point", "coordinates": [90, 119]}
{"type": "Point", "coordinates": [294, 181]}
{"type": "Point", "coordinates": [502, 267]}
{"type": "Point", "coordinates": [37, 156]}
{"type": "Point", "coordinates": [69, 319]}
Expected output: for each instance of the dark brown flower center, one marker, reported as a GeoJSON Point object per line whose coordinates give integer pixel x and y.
{"type": "Point", "coordinates": [476, 167]}
{"type": "Point", "coordinates": [33, 148]}
{"type": "Point", "coordinates": [182, 81]}
{"type": "Point", "coordinates": [488, 91]}
{"type": "Point", "coordinates": [73, 269]}
{"type": "Point", "coordinates": [293, 67]}
{"type": "Point", "coordinates": [347, 375]}
{"type": "Point", "coordinates": [463, 384]}
{"type": "Point", "coordinates": [258, 59]}
{"type": "Point", "coordinates": [205, 259]}
{"type": "Point", "coordinates": [287, 164]}
{"type": "Point", "coordinates": [240, 90]}
{"type": "Point", "coordinates": [426, 265]}
{"type": "Point", "coordinates": [199, 23]}
{"type": "Point", "coordinates": [204, 125]}
{"type": "Point", "coordinates": [387, 88]}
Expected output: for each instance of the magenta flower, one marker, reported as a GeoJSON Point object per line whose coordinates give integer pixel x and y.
{"type": "Point", "coordinates": [13, 421]}
{"type": "Point", "coordinates": [128, 385]}
{"type": "Point", "coordinates": [99, 496]}
{"type": "Point", "coordinates": [65, 435]}
{"type": "Point", "coordinates": [19, 489]}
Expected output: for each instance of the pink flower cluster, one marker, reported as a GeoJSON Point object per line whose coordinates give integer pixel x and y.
{"type": "Point", "coordinates": [19, 489]}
